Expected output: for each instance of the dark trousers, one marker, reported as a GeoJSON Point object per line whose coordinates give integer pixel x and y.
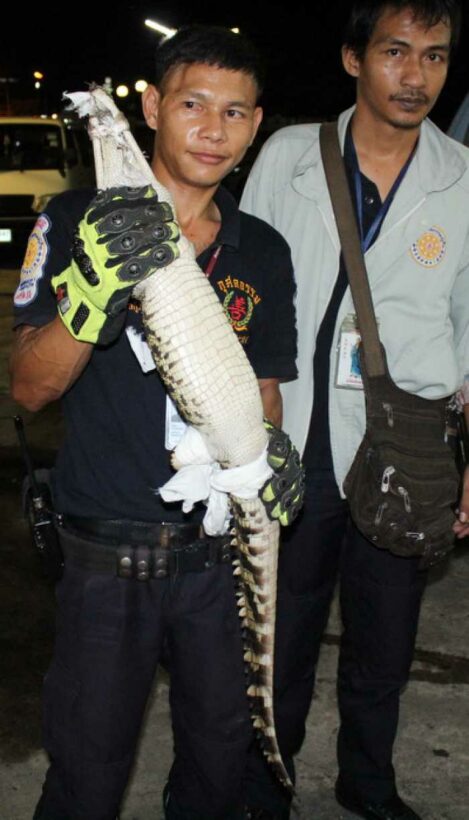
{"type": "Point", "coordinates": [380, 597]}
{"type": "Point", "coordinates": [110, 637]}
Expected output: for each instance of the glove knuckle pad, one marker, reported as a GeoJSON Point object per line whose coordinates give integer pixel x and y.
{"type": "Point", "coordinates": [83, 261]}
{"type": "Point", "coordinates": [116, 221]}
{"type": "Point", "coordinates": [291, 470]}
{"type": "Point", "coordinates": [134, 269]}
{"type": "Point", "coordinates": [163, 255]}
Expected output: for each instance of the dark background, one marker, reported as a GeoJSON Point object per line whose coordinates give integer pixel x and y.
{"type": "Point", "coordinates": [87, 41]}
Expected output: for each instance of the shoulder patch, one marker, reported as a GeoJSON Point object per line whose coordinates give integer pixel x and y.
{"type": "Point", "coordinates": [34, 261]}
{"type": "Point", "coordinates": [430, 248]}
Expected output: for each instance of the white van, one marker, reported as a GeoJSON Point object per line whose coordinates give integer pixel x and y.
{"type": "Point", "coordinates": [39, 157]}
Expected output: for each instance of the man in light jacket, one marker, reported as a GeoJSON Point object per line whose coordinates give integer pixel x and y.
{"type": "Point", "coordinates": [410, 186]}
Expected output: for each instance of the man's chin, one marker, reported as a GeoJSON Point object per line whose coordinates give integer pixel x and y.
{"type": "Point", "coordinates": [407, 123]}
{"type": "Point", "coordinates": [208, 176]}
{"type": "Point", "coordinates": [208, 182]}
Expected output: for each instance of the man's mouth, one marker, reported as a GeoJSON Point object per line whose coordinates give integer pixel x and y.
{"type": "Point", "coordinates": [208, 158]}
{"type": "Point", "coordinates": [410, 102]}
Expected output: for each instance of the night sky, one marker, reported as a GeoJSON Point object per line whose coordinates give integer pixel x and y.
{"type": "Point", "coordinates": [305, 78]}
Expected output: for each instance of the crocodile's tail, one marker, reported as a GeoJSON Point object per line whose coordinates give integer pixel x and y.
{"type": "Point", "coordinates": [256, 572]}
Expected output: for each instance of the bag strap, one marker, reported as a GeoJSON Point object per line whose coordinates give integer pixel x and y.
{"type": "Point", "coordinates": [351, 247]}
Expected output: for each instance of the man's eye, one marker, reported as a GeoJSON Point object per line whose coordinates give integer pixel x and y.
{"type": "Point", "coordinates": [189, 104]}
{"type": "Point", "coordinates": [435, 58]}
{"type": "Point", "coordinates": [393, 52]}
{"type": "Point", "coordinates": [233, 114]}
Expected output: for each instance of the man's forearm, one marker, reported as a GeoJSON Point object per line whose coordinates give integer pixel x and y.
{"type": "Point", "coordinates": [271, 400]}
{"type": "Point", "coordinates": [44, 363]}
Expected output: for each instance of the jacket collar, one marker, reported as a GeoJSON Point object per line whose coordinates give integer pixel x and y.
{"type": "Point", "coordinates": [437, 164]}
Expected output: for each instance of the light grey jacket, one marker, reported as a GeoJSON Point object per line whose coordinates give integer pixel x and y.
{"type": "Point", "coordinates": [418, 270]}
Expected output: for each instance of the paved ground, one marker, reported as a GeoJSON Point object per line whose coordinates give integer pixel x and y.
{"type": "Point", "coordinates": [432, 755]}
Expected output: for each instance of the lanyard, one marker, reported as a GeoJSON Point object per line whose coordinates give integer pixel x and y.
{"type": "Point", "coordinates": [367, 240]}
{"type": "Point", "coordinates": [212, 261]}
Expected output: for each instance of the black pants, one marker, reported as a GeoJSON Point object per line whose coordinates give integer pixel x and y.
{"type": "Point", "coordinates": [110, 636]}
{"type": "Point", "coordinates": [380, 597]}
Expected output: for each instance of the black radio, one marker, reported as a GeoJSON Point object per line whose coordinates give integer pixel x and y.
{"type": "Point", "coordinates": [39, 511]}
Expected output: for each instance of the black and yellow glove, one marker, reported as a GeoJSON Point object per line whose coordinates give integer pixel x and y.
{"type": "Point", "coordinates": [125, 235]}
{"type": "Point", "coordinates": [283, 494]}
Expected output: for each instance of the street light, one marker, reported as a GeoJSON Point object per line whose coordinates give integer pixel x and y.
{"type": "Point", "coordinates": [140, 86]}
{"type": "Point", "coordinates": [153, 24]}
{"type": "Point", "coordinates": [122, 91]}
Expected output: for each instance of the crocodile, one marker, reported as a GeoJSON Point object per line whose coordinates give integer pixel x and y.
{"type": "Point", "coordinates": [208, 375]}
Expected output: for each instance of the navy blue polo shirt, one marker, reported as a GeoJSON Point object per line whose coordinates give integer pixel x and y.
{"type": "Point", "coordinates": [113, 456]}
{"type": "Point", "coordinates": [317, 454]}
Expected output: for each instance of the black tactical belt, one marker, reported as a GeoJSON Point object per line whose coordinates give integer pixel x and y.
{"type": "Point", "coordinates": [140, 550]}
{"type": "Point", "coordinates": [140, 533]}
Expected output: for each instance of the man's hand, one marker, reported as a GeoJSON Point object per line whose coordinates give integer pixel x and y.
{"type": "Point", "coordinates": [283, 494]}
{"type": "Point", "coordinates": [461, 526]}
{"type": "Point", "coordinates": [124, 237]}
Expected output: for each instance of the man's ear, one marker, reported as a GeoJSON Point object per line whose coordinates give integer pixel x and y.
{"type": "Point", "coordinates": [350, 61]}
{"type": "Point", "coordinates": [150, 105]}
{"type": "Point", "coordinates": [257, 119]}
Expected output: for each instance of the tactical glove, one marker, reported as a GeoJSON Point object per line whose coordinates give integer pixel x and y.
{"type": "Point", "coordinates": [124, 237]}
{"type": "Point", "coordinates": [283, 494]}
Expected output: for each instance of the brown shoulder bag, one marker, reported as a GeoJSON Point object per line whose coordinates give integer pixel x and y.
{"type": "Point", "coordinates": [403, 484]}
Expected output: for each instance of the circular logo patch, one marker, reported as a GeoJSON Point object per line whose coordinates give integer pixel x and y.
{"type": "Point", "coordinates": [430, 248]}
{"type": "Point", "coordinates": [238, 307]}
{"type": "Point", "coordinates": [36, 251]}
{"type": "Point", "coordinates": [34, 261]}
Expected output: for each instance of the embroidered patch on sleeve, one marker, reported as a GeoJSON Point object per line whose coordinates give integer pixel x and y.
{"type": "Point", "coordinates": [430, 248]}
{"type": "Point", "coordinates": [34, 262]}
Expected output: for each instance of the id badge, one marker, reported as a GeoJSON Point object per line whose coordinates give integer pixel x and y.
{"type": "Point", "coordinates": [174, 427]}
{"type": "Point", "coordinates": [140, 349]}
{"type": "Point", "coordinates": [348, 374]}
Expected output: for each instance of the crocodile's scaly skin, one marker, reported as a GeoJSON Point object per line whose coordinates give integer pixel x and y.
{"type": "Point", "coordinates": [256, 569]}
{"type": "Point", "coordinates": [208, 375]}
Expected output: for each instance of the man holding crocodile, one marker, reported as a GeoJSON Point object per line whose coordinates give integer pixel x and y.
{"type": "Point", "coordinates": [119, 427]}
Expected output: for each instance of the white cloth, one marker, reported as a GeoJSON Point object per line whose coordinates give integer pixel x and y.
{"type": "Point", "coordinates": [103, 122]}
{"type": "Point", "coordinates": [202, 479]}
{"type": "Point", "coordinates": [80, 101]}
{"type": "Point", "coordinates": [418, 270]}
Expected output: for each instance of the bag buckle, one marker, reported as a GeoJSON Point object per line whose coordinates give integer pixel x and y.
{"type": "Point", "coordinates": [415, 536]}
{"type": "Point", "coordinates": [405, 495]}
{"type": "Point", "coordinates": [386, 479]}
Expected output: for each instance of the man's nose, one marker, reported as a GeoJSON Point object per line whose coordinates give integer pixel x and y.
{"type": "Point", "coordinates": [414, 73]}
{"type": "Point", "coordinates": [214, 126]}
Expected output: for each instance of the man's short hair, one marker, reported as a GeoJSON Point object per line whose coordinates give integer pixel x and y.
{"type": "Point", "coordinates": [366, 13]}
{"type": "Point", "coordinates": [211, 45]}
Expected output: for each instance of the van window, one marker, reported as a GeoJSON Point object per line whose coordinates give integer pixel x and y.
{"type": "Point", "coordinates": [30, 147]}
